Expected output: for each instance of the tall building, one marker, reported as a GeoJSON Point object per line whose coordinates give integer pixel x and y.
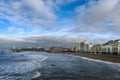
{"type": "Point", "coordinates": [82, 47]}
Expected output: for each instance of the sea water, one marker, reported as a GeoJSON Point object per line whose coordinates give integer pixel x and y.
{"type": "Point", "coordinates": [20, 66]}
{"type": "Point", "coordinates": [28, 65]}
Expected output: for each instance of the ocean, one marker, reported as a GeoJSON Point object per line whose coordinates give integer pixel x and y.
{"type": "Point", "coordinates": [51, 66]}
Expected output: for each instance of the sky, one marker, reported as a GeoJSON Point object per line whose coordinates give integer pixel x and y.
{"type": "Point", "coordinates": [58, 22]}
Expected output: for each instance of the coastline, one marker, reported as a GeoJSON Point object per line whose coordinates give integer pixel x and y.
{"type": "Point", "coordinates": [104, 57]}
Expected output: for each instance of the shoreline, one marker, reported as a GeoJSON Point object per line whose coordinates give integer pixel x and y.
{"type": "Point", "coordinates": [104, 57]}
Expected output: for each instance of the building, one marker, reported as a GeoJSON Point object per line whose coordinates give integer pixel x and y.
{"type": "Point", "coordinates": [107, 49]}
{"type": "Point", "coordinates": [96, 49]}
{"type": "Point", "coordinates": [83, 47]}
{"type": "Point", "coordinates": [110, 47]}
{"type": "Point", "coordinates": [57, 49]}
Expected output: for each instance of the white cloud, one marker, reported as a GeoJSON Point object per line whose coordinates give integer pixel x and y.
{"type": "Point", "coordinates": [55, 4]}
{"type": "Point", "coordinates": [98, 14]}
{"type": "Point", "coordinates": [27, 12]}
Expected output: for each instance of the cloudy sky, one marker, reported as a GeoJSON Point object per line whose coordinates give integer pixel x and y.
{"type": "Point", "coordinates": [58, 22]}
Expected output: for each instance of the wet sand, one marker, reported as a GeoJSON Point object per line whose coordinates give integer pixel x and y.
{"type": "Point", "coordinates": [69, 67]}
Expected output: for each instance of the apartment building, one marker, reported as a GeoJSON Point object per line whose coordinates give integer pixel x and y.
{"type": "Point", "coordinates": [83, 47]}
{"type": "Point", "coordinates": [110, 47]}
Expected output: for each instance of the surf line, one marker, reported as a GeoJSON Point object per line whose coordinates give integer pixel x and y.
{"type": "Point", "coordinates": [37, 73]}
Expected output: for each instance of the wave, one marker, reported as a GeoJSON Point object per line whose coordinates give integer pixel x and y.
{"type": "Point", "coordinates": [36, 74]}
{"type": "Point", "coordinates": [20, 66]}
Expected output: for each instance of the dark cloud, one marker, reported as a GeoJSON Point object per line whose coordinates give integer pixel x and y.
{"type": "Point", "coordinates": [37, 41]}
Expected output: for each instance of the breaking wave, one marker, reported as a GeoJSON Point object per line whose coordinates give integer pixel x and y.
{"type": "Point", "coordinates": [22, 66]}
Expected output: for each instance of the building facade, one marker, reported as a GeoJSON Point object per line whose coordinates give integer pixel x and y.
{"type": "Point", "coordinates": [83, 47]}
{"type": "Point", "coordinates": [110, 47]}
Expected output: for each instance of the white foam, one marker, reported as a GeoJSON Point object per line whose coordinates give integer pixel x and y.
{"type": "Point", "coordinates": [36, 75]}
{"type": "Point", "coordinates": [20, 64]}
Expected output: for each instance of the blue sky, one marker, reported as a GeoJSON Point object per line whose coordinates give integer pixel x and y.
{"type": "Point", "coordinates": [71, 20]}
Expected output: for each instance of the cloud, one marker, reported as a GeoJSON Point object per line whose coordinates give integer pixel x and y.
{"type": "Point", "coordinates": [55, 4]}
{"type": "Point", "coordinates": [51, 40]}
{"type": "Point", "coordinates": [96, 21]}
{"type": "Point", "coordinates": [39, 41]}
{"type": "Point", "coordinates": [27, 12]}
{"type": "Point", "coordinates": [97, 15]}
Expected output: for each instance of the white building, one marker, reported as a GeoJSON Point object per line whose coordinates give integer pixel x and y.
{"type": "Point", "coordinates": [112, 47]}
{"type": "Point", "coordinates": [83, 47]}
{"type": "Point", "coordinates": [96, 49]}
{"type": "Point", "coordinates": [107, 49]}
